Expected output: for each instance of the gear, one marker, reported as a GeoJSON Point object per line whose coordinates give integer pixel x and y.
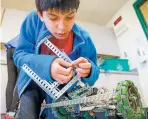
{"type": "Point", "coordinates": [128, 100]}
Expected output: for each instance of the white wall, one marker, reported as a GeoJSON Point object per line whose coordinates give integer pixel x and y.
{"type": "Point", "coordinates": [112, 78]}
{"type": "Point", "coordinates": [3, 81]}
{"type": "Point", "coordinates": [11, 24]}
{"type": "Point", "coordinates": [132, 39]}
{"type": "Point", "coordinates": [103, 38]}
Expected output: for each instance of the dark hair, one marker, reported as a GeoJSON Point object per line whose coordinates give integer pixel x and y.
{"type": "Point", "coordinates": [61, 5]}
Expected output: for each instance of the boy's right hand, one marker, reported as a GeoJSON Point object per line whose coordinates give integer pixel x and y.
{"type": "Point", "coordinates": [59, 72]}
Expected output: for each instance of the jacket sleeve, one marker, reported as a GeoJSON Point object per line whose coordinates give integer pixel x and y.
{"type": "Point", "coordinates": [89, 52]}
{"type": "Point", "coordinates": [25, 51]}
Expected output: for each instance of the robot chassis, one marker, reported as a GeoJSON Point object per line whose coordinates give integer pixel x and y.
{"type": "Point", "coordinates": [84, 101]}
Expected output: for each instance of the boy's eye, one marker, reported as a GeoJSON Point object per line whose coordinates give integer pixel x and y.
{"type": "Point", "coordinates": [53, 18]}
{"type": "Point", "coordinates": [69, 17]}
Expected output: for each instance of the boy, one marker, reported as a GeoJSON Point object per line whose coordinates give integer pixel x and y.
{"type": "Point", "coordinates": [54, 18]}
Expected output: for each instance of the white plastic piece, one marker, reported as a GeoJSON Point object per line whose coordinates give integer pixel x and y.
{"type": "Point", "coordinates": [142, 55]}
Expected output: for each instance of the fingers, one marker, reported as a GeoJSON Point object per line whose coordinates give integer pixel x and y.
{"type": "Point", "coordinates": [85, 65]}
{"type": "Point", "coordinates": [64, 63]}
{"type": "Point", "coordinates": [59, 72]}
{"type": "Point", "coordinates": [83, 71]}
{"type": "Point", "coordinates": [79, 60]}
{"type": "Point", "coordinates": [82, 75]}
{"type": "Point", "coordinates": [64, 79]}
{"type": "Point", "coordinates": [64, 71]}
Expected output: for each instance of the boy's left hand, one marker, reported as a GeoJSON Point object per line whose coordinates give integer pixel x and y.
{"type": "Point", "coordinates": [83, 67]}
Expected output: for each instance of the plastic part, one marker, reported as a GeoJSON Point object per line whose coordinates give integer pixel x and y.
{"type": "Point", "coordinates": [128, 100]}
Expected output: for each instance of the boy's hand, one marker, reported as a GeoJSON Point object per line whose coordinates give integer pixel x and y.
{"type": "Point", "coordinates": [83, 68]}
{"type": "Point", "coordinates": [59, 73]}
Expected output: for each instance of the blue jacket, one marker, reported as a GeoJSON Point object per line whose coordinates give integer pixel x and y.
{"type": "Point", "coordinates": [32, 32]}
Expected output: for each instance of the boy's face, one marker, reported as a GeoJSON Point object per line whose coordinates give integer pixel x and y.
{"type": "Point", "coordinates": [58, 23]}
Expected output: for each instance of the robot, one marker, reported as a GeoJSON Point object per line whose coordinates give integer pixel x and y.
{"type": "Point", "coordinates": [83, 102]}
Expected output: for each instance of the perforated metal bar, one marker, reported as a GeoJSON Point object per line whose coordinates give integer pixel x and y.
{"type": "Point", "coordinates": [85, 87]}
{"type": "Point", "coordinates": [46, 86]}
{"type": "Point", "coordinates": [99, 99]}
{"type": "Point", "coordinates": [52, 88]}
{"type": "Point", "coordinates": [59, 53]}
{"type": "Point", "coordinates": [63, 56]}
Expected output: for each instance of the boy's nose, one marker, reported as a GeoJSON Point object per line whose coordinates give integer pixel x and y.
{"type": "Point", "coordinates": [61, 26]}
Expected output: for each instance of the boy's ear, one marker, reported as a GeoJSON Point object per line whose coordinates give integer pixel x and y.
{"type": "Point", "coordinates": [40, 15]}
